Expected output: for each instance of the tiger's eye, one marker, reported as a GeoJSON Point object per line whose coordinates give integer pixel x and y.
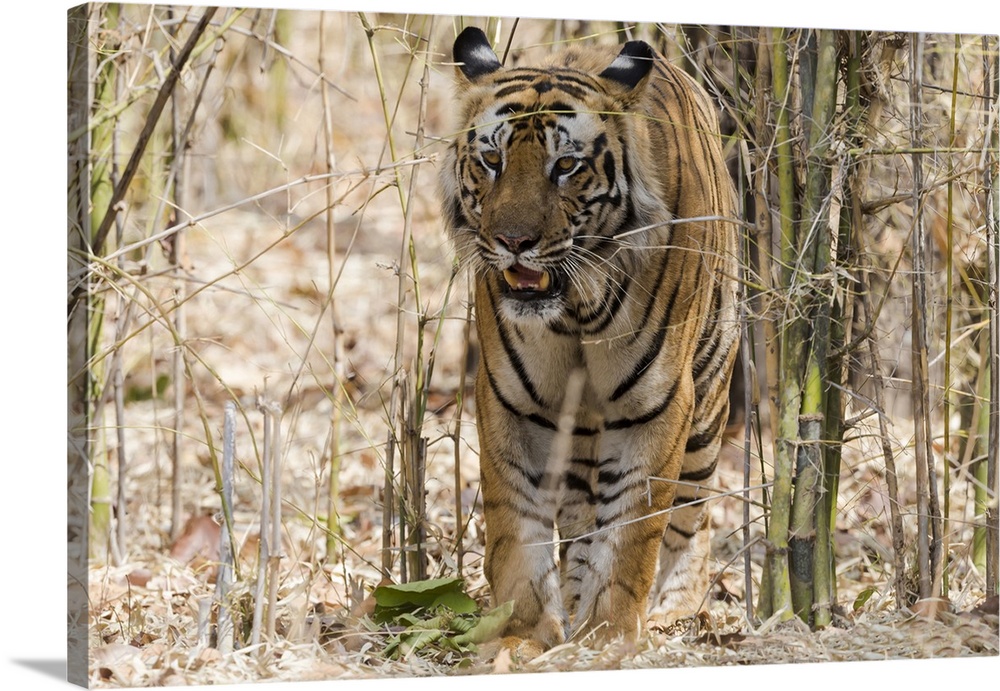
{"type": "Point", "coordinates": [491, 158]}
{"type": "Point", "coordinates": [565, 164]}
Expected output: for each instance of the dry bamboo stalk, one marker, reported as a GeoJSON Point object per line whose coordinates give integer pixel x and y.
{"type": "Point", "coordinates": [336, 414]}
{"type": "Point", "coordinates": [177, 252]}
{"type": "Point", "coordinates": [949, 300]}
{"type": "Point", "coordinates": [416, 441]}
{"type": "Point", "coordinates": [762, 237]}
{"type": "Point", "coordinates": [991, 88]}
{"type": "Point", "coordinates": [147, 130]}
{"type": "Point", "coordinates": [891, 477]}
{"type": "Point", "coordinates": [928, 533]}
{"type": "Point", "coordinates": [204, 623]}
{"type": "Point", "coordinates": [388, 495]}
{"type": "Point", "coordinates": [123, 314]}
{"type": "Point", "coordinates": [398, 392]}
{"type": "Point", "coordinates": [457, 433]}
{"type": "Point", "coordinates": [264, 550]}
{"type": "Point", "coordinates": [762, 210]}
{"type": "Point", "coordinates": [223, 582]}
{"type": "Point", "coordinates": [274, 558]}
{"type": "Point", "coordinates": [78, 445]}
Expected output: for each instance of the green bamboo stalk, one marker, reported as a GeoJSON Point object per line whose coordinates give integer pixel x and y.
{"type": "Point", "coordinates": [814, 241]}
{"type": "Point", "coordinates": [789, 348]}
{"type": "Point", "coordinates": [101, 192]}
{"type": "Point", "coordinates": [840, 317]}
{"type": "Point", "coordinates": [780, 81]}
{"type": "Point", "coordinates": [808, 486]}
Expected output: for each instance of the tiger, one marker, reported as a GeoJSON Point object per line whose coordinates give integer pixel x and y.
{"type": "Point", "coordinates": [589, 198]}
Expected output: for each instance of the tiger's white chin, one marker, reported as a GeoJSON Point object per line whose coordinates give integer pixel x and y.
{"type": "Point", "coordinates": [538, 311]}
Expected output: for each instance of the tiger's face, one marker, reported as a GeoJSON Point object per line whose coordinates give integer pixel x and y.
{"type": "Point", "coordinates": [538, 181]}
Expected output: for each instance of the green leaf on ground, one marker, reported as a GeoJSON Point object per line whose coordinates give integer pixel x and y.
{"type": "Point", "coordinates": [434, 616]}
{"type": "Point", "coordinates": [863, 597]}
{"type": "Point", "coordinates": [391, 601]}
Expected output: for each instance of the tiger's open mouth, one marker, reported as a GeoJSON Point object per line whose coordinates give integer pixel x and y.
{"type": "Point", "coordinates": [528, 284]}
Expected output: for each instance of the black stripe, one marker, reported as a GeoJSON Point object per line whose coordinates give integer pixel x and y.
{"type": "Point", "coordinates": [610, 477]}
{"type": "Point", "coordinates": [511, 408]}
{"type": "Point", "coordinates": [613, 307]}
{"type": "Point", "coordinates": [653, 295]}
{"type": "Point", "coordinates": [576, 483]}
{"type": "Point", "coordinates": [676, 152]}
{"type": "Point", "coordinates": [699, 475]}
{"type": "Point", "coordinates": [609, 520]}
{"type": "Point", "coordinates": [522, 512]}
{"type": "Point", "coordinates": [626, 586]}
{"type": "Point", "coordinates": [625, 423]}
{"type": "Point", "coordinates": [710, 433]}
{"type": "Point", "coordinates": [609, 498]}
{"type": "Point", "coordinates": [653, 350]}
{"type": "Point", "coordinates": [515, 358]}
{"type": "Point", "coordinates": [584, 318]}
{"type": "Point", "coordinates": [682, 533]}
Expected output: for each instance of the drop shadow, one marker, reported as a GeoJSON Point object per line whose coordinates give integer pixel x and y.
{"type": "Point", "coordinates": [55, 668]}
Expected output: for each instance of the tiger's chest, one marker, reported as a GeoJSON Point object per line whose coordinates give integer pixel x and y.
{"type": "Point", "coordinates": [529, 363]}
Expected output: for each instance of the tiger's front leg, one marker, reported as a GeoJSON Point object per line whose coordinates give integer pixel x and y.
{"type": "Point", "coordinates": [519, 502]}
{"type": "Point", "coordinates": [632, 512]}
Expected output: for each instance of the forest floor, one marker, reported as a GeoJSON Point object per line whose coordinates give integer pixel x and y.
{"type": "Point", "coordinates": [151, 612]}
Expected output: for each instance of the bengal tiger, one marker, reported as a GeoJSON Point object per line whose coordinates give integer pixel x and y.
{"type": "Point", "coordinates": [590, 198]}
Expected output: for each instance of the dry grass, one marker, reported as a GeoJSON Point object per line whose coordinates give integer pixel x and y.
{"type": "Point", "coordinates": [255, 272]}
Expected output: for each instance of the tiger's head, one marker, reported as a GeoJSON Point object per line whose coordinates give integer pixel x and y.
{"type": "Point", "coordinates": [544, 174]}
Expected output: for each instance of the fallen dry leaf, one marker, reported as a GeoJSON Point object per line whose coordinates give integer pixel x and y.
{"type": "Point", "coordinates": [930, 608]}
{"type": "Point", "coordinates": [198, 544]}
{"type": "Point", "coordinates": [139, 577]}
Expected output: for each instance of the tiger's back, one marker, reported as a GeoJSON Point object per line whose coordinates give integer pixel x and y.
{"type": "Point", "coordinates": [590, 198]}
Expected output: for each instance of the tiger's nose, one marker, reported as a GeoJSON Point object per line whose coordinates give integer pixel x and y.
{"type": "Point", "coordinates": [517, 243]}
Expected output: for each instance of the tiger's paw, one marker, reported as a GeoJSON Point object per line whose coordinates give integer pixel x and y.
{"type": "Point", "coordinates": [522, 642]}
{"type": "Point", "coordinates": [510, 652]}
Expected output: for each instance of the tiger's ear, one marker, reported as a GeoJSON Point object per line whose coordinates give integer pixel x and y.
{"type": "Point", "coordinates": [473, 53]}
{"type": "Point", "coordinates": [631, 66]}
